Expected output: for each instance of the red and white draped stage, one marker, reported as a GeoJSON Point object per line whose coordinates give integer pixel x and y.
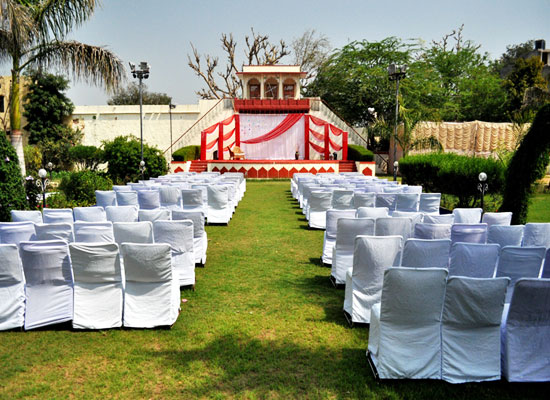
{"type": "Point", "coordinates": [274, 137]}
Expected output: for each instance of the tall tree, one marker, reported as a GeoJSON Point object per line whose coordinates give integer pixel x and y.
{"type": "Point", "coordinates": [33, 34]}
{"type": "Point", "coordinates": [310, 51]}
{"type": "Point", "coordinates": [129, 95]}
{"type": "Point", "coordinates": [505, 64]}
{"type": "Point", "coordinates": [527, 73]}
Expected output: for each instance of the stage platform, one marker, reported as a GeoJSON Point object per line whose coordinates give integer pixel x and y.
{"type": "Point", "coordinates": [271, 169]}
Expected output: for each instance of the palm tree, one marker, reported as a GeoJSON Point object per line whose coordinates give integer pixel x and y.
{"type": "Point", "coordinates": [32, 34]}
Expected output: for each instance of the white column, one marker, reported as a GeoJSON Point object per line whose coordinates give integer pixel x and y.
{"type": "Point", "coordinates": [281, 87]}
{"type": "Point", "coordinates": [17, 142]}
{"type": "Point", "coordinates": [262, 91]}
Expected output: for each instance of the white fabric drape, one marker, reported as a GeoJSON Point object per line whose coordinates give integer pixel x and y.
{"type": "Point", "coordinates": [281, 148]}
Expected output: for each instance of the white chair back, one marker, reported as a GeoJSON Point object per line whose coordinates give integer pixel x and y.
{"type": "Point", "coordinates": [133, 232]}
{"type": "Point", "coordinates": [474, 260]}
{"type": "Point", "coordinates": [12, 288]}
{"type": "Point", "coordinates": [148, 199]}
{"type": "Point", "coordinates": [469, 232]}
{"type": "Point", "coordinates": [170, 198]}
{"type": "Point", "coordinates": [105, 198]}
{"type": "Point", "coordinates": [94, 232]}
{"type": "Point", "coordinates": [364, 199]}
{"type": "Point", "coordinates": [26, 215]}
{"type": "Point", "coordinates": [536, 234]}
{"type": "Point", "coordinates": [55, 232]}
{"type": "Point", "coordinates": [127, 198]}
{"type": "Point", "coordinates": [432, 231]}
{"type": "Point", "coordinates": [439, 219]}
{"type": "Point", "coordinates": [154, 215]}
{"type": "Point", "coordinates": [497, 218]}
{"type": "Point", "coordinates": [16, 232]}
{"type": "Point", "coordinates": [424, 253]}
{"type": "Point", "coordinates": [467, 215]}
{"type": "Point", "coordinates": [342, 199]}
{"type": "Point", "coordinates": [386, 200]}
{"type": "Point", "coordinates": [505, 235]}
{"type": "Point", "coordinates": [179, 235]}
{"type": "Point", "coordinates": [89, 214]}
{"type": "Point", "coordinates": [57, 215]}
{"type": "Point", "coordinates": [122, 214]}
{"type": "Point", "coordinates": [429, 203]}
{"type": "Point", "coordinates": [407, 202]}
{"type": "Point", "coordinates": [372, 212]}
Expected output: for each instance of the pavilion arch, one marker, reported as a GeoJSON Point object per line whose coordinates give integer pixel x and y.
{"type": "Point", "coordinates": [254, 89]}
{"type": "Point", "coordinates": [271, 88]}
{"type": "Point", "coordinates": [289, 88]}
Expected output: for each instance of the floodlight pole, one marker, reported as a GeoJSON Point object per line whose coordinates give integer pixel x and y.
{"type": "Point", "coordinates": [396, 73]}
{"type": "Point", "coordinates": [170, 107]}
{"type": "Point", "coordinates": [141, 72]}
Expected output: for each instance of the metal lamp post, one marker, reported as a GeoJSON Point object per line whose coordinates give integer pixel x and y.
{"type": "Point", "coordinates": [170, 108]}
{"type": "Point", "coordinates": [141, 73]}
{"type": "Point", "coordinates": [43, 184]}
{"type": "Point", "coordinates": [482, 186]}
{"type": "Point", "coordinates": [395, 167]}
{"type": "Point", "coordinates": [396, 73]}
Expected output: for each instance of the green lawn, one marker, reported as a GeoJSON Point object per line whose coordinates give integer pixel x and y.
{"type": "Point", "coordinates": [539, 208]}
{"type": "Point", "coordinates": [264, 322]}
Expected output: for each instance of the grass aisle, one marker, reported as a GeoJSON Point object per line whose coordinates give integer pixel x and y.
{"type": "Point", "coordinates": [264, 322]}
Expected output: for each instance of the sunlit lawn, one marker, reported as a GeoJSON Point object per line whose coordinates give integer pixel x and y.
{"type": "Point", "coordinates": [264, 322]}
{"type": "Point", "coordinates": [539, 208]}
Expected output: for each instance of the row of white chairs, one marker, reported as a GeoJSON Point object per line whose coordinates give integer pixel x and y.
{"type": "Point", "coordinates": [431, 326]}
{"type": "Point", "coordinates": [50, 282]}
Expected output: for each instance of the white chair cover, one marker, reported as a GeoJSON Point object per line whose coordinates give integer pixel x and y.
{"type": "Point", "coordinates": [497, 218]}
{"type": "Point", "coordinates": [429, 203]}
{"type": "Point", "coordinates": [342, 254]}
{"type": "Point", "coordinates": [192, 200]}
{"type": "Point", "coordinates": [97, 285]}
{"type": "Point", "coordinates": [474, 260]}
{"type": "Point", "coordinates": [470, 333]}
{"type": "Point", "coordinates": [127, 198]}
{"type": "Point", "coordinates": [405, 328]}
{"type": "Point", "coordinates": [372, 256]}
{"type": "Point", "coordinates": [432, 231]}
{"type": "Point", "coordinates": [319, 203]}
{"type": "Point", "coordinates": [16, 232]}
{"type": "Point", "coordinates": [364, 199]}
{"type": "Point", "coordinates": [151, 296]}
{"type": "Point", "coordinates": [49, 280]}
{"type": "Point", "coordinates": [505, 235]}
{"type": "Point", "coordinates": [105, 198]}
{"type": "Point", "coordinates": [329, 237]}
{"type": "Point", "coordinates": [12, 288]}
{"type": "Point", "coordinates": [170, 198]}
{"type": "Point", "coordinates": [26, 215]}
{"type": "Point", "coordinates": [154, 215]}
{"type": "Point", "coordinates": [148, 199]}
{"type": "Point", "coordinates": [389, 226]}
{"type": "Point", "coordinates": [122, 214]}
{"type": "Point", "coordinates": [416, 217]}
{"type": "Point", "coordinates": [439, 219]}
{"type": "Point", "coordinates": [122, 188]}
{"type": "Point", "coordinates": [55, 232]}
{"type": "Point", "coordinates": [525, 331]}
{"type": "Point", "coordinates": [179, 235]}
{"type": "Point", "coordinates": [133, 232]}
{"type": "Point", "coordinates": [470, 233]}
{"type": "Point", "coordinates": [413, 189]}
{"type": "Point", "coordinates": [204, 191]}
{"type": "Point", "coordinates": [89, 214]}
{"type": "Point", "coordinates": [519, 262]}
{"type": "Point", "coordinates": [546, 267]}
{"type": "Point", "coordinates": [407, 202]}
{"type": "Point", "coordinates": [57, 215]}
{"type": "Point", "coordinates": [94, 232]}
{"type": "Point", "coordinates": [219, 206]}
{"type": "Point", "coordinates": [467, 215]}
{"type": "Point", "coordinates": [372, 212]}
{"type": "Point", "coordinates": [342, 199]}
{"type": "Point", "coordinates": [200, 239]}
{"type": "Point", "coordinates": [426, 253]}
{"type": "Point", "coordinates": [386, 200]}
{"type": "Point", "coordinates": [536, 234]}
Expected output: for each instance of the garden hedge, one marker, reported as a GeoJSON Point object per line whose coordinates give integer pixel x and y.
{"type": "Point", "coordinates": [359, 153]}
{"type": "Point", "coordinates": [187, 153]}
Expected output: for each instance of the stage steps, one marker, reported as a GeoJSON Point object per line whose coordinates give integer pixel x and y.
{"type": "Point", "coordinates": [347, 166]}
{"type": "Point", "coordinates": [198, 166]}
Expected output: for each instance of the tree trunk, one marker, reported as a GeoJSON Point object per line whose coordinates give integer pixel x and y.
{"type": "Point", "coordinates": [16, 136]}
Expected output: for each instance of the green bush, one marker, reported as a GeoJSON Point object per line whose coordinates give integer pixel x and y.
{"type": "Point", "coordinates": [33, 191]}
{"type": "Point", "coordinates": [86, 157]}
{"type": "Point", "coordinates": [527, 165]}
{"type": "Point", "coordinates": [123, 155]}
{"type": "Point", "coordinates": [187, 153]}
{"type": "Point", "coordinates": [12, 192]}
{"type": "Point", "coordinates": [59, 200]}
{"type": "Point", "coordinates": [359, 153]}
{"type": "Point", "coordinates": [33, 158]}
{"type": "Point", "coordinates": [452, 174]}
{"type": "Point", "coordinates": [79, 187]}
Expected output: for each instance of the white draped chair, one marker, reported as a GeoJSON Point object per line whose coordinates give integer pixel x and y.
{"type": "Point", "coordinates": [170, 198]}
{"type": "Point", "coordinates": [12, 288]}
{"type": "Point", "coordinates": [329, 237]}
{"type": "Point", "coordinates": [122, 213]}
{"type": "Point", "coordinates": [94, 232]}
{"type": "Point", "coordinates": [470, 329]}
{"type": "Point", "coordinates": [342, 254]}
{"type": "Point", "coordinates": [179, 235]}
{"type": "Point", "coordinates": [364, 199]}
{"type": "Point", "coordinates": [151, 294]}
{"type": "Point", "coordinates": [389, 226]}
{"type": "Point", "coordinates": [525, 331]}
{"type": "Point", "coordinates": [154, 215]}
{"type": "Point", "coordinates": [342, 199]}
{"type": "Point", "coordinates": [505, 235]}
{"type": "Point", "coordinates": [200, 239]}
{"type": "Point", "coordinates": [467, 215]}
{"type": "Point", "coordinates": [133, 232]}
{"type": "Point", "coordinates": [429, 203]}
{"type": "Point", "coordinates": [148, 199]}
{"type": "Point", "coordinates": [57, 215]}
{"type": "Point", "coordinates": [122, 188]}
{"type": "Point", "coordinates": [407, 202]}
{"type": "Point", "coordinates": [536, 234]}
{"type": "Point", "coordinates": [413, 189]}
{"type": "Point", "coordinates": [469, 232]}
{"type": "Point", "coordinates": [89, 214]}
{"type": "Point", "coordinates": [372, 212]}
{"type": "Point", "coordinates": [426, 253]}
{"type": "Point", "coordinates": [16, 232]}
{"type": "Point", "coordinates": [219, 207]}
{"type": "Point", "coordinates": [127, 198]}
{"type": "Point", "coordinates": [98, 291]}
{"type": "Point", "coordinates": [386, 200]}
{"type": "Point", "coordinates": [372, 256]}
{"type": "Point", "coordinates": [405, 328]}
{"type": "Point", "coordinates": [519, 262]}
{"type": "Point", "coordinates": [318, 204]}
{"type": "Point", "coordinates": [192, 200]}
{"type": "Point", "coordinates": [416, 217]}
{"type": "Point", "coordinates": [432, 231]}
{"type": "Point", "coordinates": [497, 218]}
{"type": "Point", "coordinates": [105, 198]}
{"type": "Point", "coordinates": [474, 260]}
{"type": "Point", "coordinates": [49, 283]}
{"type": "Point", "coordinates": [438, 219]}
{"type": "Point", "coordinates": [61, 231]}
{"type": "Point", "coordinates": [26, 215]}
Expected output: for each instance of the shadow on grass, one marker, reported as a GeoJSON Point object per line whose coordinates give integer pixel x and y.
{"type": "Point", "coordinates": [316, 261]}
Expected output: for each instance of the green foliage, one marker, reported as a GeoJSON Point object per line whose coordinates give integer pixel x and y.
{"type": "Point", "coordinates": [505, 64]}
{"type": "Point", "coordinates": [452, 174]}
{"type": "Point", "coordinates": [527, 165]}
{"type": "Point", "coordinates": [359, 153]}
{"type": "Point", "coordinates": [57, 150]}
{"type": "Point", "coordinates": [59, 200]}
{"type": "Point", "coordinates": [130, 96]}
{"type": "Point", "coordinates": [527, 73]}
{"type": "Point", "coordinates": [12, 192]}
{"type": "Point", "coordinates": [79, 187]}
{"type": "Point", "coordinates": [86, 157]}
{"type": "Point", "coordinates": [33, 192]}
{"type": "Point", "coordinates": [187, 153]}
{"type": "Point", "coordinates": [33, 158]}
{"type": "Point", "coordinates": [123, 154]}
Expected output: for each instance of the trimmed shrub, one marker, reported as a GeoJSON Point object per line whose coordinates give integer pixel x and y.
{"type": "Point", "coordinates": [187, 153]}
{"type": "Point", "coordinates": [86, 157]}
{"type": "Point", "coordinates": [359, 153]}
{"type": "Point", "coordinates": [12, 192]}
{"type": "Point", "coordinates": [123, 155]}
{"type": "Point", "coordinates": [33, 158]}
{"type": "Point", "coordinates": [79, 187]}
{"type": "Point", "coordinates": [452, 174]}
{"type": "Point", "coordinates": [527, 165]}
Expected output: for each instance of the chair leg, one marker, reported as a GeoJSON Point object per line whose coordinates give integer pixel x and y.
{"type": "Point", "coordinates": [348, 318]}
{"type": "Point", "coordinates": [372, 366]}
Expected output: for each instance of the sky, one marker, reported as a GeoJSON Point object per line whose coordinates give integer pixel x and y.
{"type": "Point", "coordinates": [161, 31]}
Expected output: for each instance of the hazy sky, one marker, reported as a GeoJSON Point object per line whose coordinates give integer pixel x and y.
{"type": "Point", "coordinates": [160, 32]}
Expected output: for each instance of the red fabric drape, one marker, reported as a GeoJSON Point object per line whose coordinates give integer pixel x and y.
{"type": "Point", "coordinates": [317, 121]}
{"type": "Point", "coordinates": [229, 134]}
{"type": "Point", "coordinates": [211, 144]}
{"type": "Point", "coordinates": [334, 145]}
{"type": "Point", "coordinates": [317, 135]}
{"type": "Point", "coordinates": [211, 129]}
{"type": "Point", "coordinates": [336, 131]}
{"type": "Point", "coordinates": [227, 121]}
{"type": "Point", "coordinates": [284, 126]}
{"type": "Point", "coordinates": [317, 148]}
{"type": "Point", "coordinates": [228, 147]}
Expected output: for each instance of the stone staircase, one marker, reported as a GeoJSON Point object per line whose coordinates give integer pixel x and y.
{"type": "Point", "coordinates": [347, 166]}
{"type": "Point", "coordinates": [198, 166]}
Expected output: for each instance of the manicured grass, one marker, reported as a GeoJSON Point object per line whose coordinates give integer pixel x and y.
{"type": "Point", "coordinates": [539, 208]}
{"type": "Point", "coordinates": [264, 322]}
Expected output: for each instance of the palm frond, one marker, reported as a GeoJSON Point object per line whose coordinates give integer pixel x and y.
{"type": "Point", "coordinates": [17, 24]}
{"type": "Point", "coordinates": [59, 17]}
